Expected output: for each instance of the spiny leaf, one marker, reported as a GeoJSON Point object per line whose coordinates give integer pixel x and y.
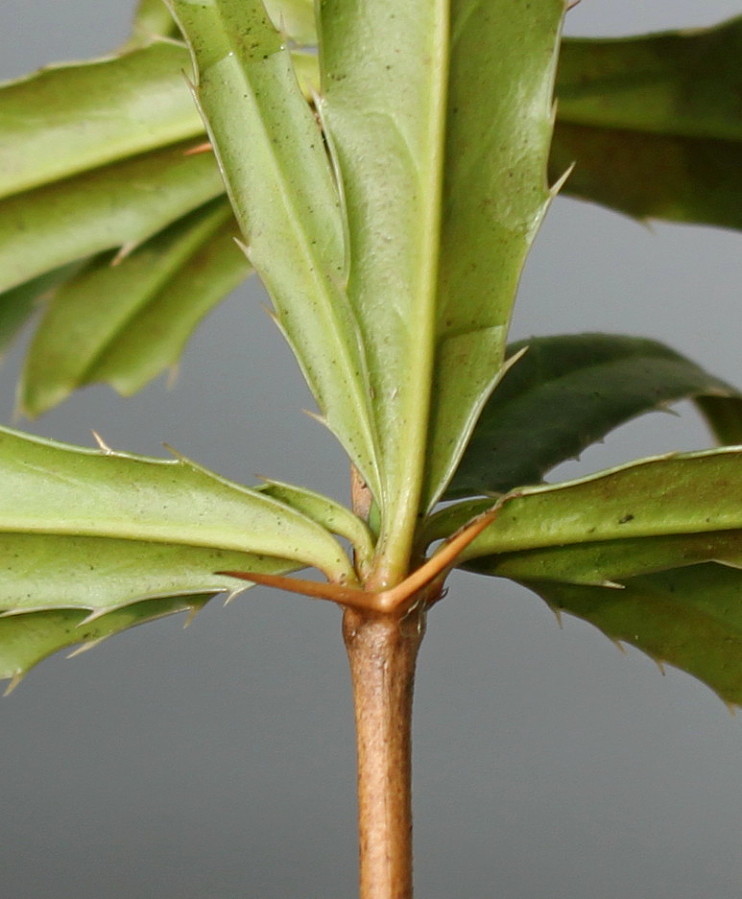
{"type": "Point", "coordinates": [27, 639]}
{"type": "Point", "coordinates": [328, 513]}
{"type": "Point", "coordinates": [384, 74]}
{"type": "Point", "coordinates": [500, 119]}
{"type": "Point", "coordinates": [286, 203]}
{"type": "Point", "coordinates": [155, 337]}
{"type": "Point", "coordinates": [678, 493]}
{"type": "Point", "coordinates": [17, 304]}
{"type": "Point", "coordinates": [653, 124]}
{"type": "Point", "coordinates": [119, 205]}
{"type": "Point", "coordinates": [690, 618]}
{"type": "Point", "coordinates": [47, 571]}
{"type": "Point", "coordinates": [568, 392]}
{"type": "Point", "coordinates": [69, 119]}
{"type": "Point", "coordinates": [651, 553]}
{"type": "Point", "coordinates": [152, 22]}
{"type": "Point", "coordinates": [55, 489]}
{"type": "Point", "coordinates": [87, 316]}
{"type": "Point", "coordinates": [608, 563]}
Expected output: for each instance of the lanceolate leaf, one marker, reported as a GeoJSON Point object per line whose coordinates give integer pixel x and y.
{"type": "Point", "coordinates": [155, 337]}
{"type": "Point", "coordinates": [286, 202]}
{"type": "Point", "coordinates": [684, 493]}
{"type": "Point", "coordinates": [295, 19]}
{"type": "Point", "coordinates": [608, 563]}
{"type": "Point", "coordinates": [569, 391]}
{"type": "Point", "coordinates": [47, 571]}
{"type": "Point", "coordinates": [653, 124]}
{"type": "Point", "coordinates": [69, 119]}
{"type": "Point", "coordinates": [651, 553]}
{"type": "Point", "coordinates": [330, 514]}
{"type": "Point", "coordinates": [119, 205]}
{"type": "Point", "coordinates": [64, 491]}
{"type": "Point", "coordinates": [17, 304]}
{"type": "Point", "coordinates": [384, 72]}
{"type": "Point", "coordinates": [152, 21]}
{"type": "Point", "coordinates": [500, 117]}
{"type": "Point", "coordinates": [28, 638]}
{"type": "Point", "coordinates": [89, 313]}
{"type": "Point", "coordinates": [687, 617]}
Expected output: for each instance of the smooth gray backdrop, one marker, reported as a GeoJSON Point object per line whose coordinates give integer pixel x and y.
{"type": "Point", "coordinates": [218, 762]}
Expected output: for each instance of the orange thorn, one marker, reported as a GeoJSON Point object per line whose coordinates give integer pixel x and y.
{"type": "Point", "coordinates": [395, 599]}
{"type": "Point", "coordinates": [205, 147]}
{"type": "Point", "coordinates": [346, 596]}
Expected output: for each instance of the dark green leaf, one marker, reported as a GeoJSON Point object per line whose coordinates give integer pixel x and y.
{"type": "Point", "coordinates": [567, 392]}
{"type": "Point", "coordinates": [690, 618]}
{"type": "Point", "coordinates": [653, 124]}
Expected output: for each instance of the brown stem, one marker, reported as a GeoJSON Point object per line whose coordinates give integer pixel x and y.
{"type": "Point", "coordinates": [382, 650]}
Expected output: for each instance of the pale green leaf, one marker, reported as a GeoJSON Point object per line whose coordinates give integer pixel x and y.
{"type": "Point", "coordinates": [17, 305]}
{"type": "Point", "coordinates": [333, 516]}
{"type": "Point", "coordinates": [43, 571]}
{"type": "Point", "coordinates": [68, 119]}
{"type": "Point", "coordinates": [152, 21]}
{"type": "Point", "coordinates": [681, 493]}
{"type": "Point", "coordinates": [25, 640]}
{"type": "Point", "coordinates": [88, 314]}
{"type": "Point", "coordinates": [294, 19]}
{"type": "Point", "coordinates": [610, 562]}
{"type": "Point", "coordinates": [155, 337]}
{"type": "Point", "coordinates": [119, 205]}
{"type": "Point", "coordinates": [503, 60]}
{"type": "Point", "coordinates": [384, 69]}
{"type": "Point", "coordinates": [286, 202]}
{"type": "Point", "coordinates": [567, 392]}
{"type": "Point", "coordinates": [653, 123]}
{"type": "Point", "coordinates": [55, 489]}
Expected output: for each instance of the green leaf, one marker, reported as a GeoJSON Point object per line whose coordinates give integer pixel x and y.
{"type": "Point", "coordinates": [681, 493]}
{"type": "Point", "coordinates": [651, 553]}
{"type": "Point", "coordinates": [384, 73]}
{"type": "Point", "coordinates": [68, 119]}
{"type": "Point", "coordinates": [328, 513]}
{"type": "Point", "coordinates": [45, 571]}
{"type": "Point", "coordinates": [295, 19]}
{"type": "Point", "coordinates": [608, 563]}
{"type": "Point", "coordinates": [120, 205]}
{"type": "Point", "coordinates": [690, 618]}
{"type": "Point", "coordinates": [567, 392]}
{"type": "Point", "coordinates": [724, 417]}
{"type": "Point", "coordinates": [500, 119]}
{"type": "Point", "coordinates": [152, 21]}
{"type": "Point", "coordinates": [92, 313]}
{"type": "Point", "coordinates": [286, 203]}
{"type": "Point", "coordinates": [155, 337]}
{"type": "Point", "coordinates": [64, 491]}
{"type": "Point", "coordinates": [27, 639]}
{"type": "Point", "coordinates": [18, 304]}
{"type": "Point", "coordinates": [653, 124]}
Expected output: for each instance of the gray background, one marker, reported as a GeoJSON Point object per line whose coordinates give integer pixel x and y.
{"type": "Point", "coordinates": [217, 762]}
